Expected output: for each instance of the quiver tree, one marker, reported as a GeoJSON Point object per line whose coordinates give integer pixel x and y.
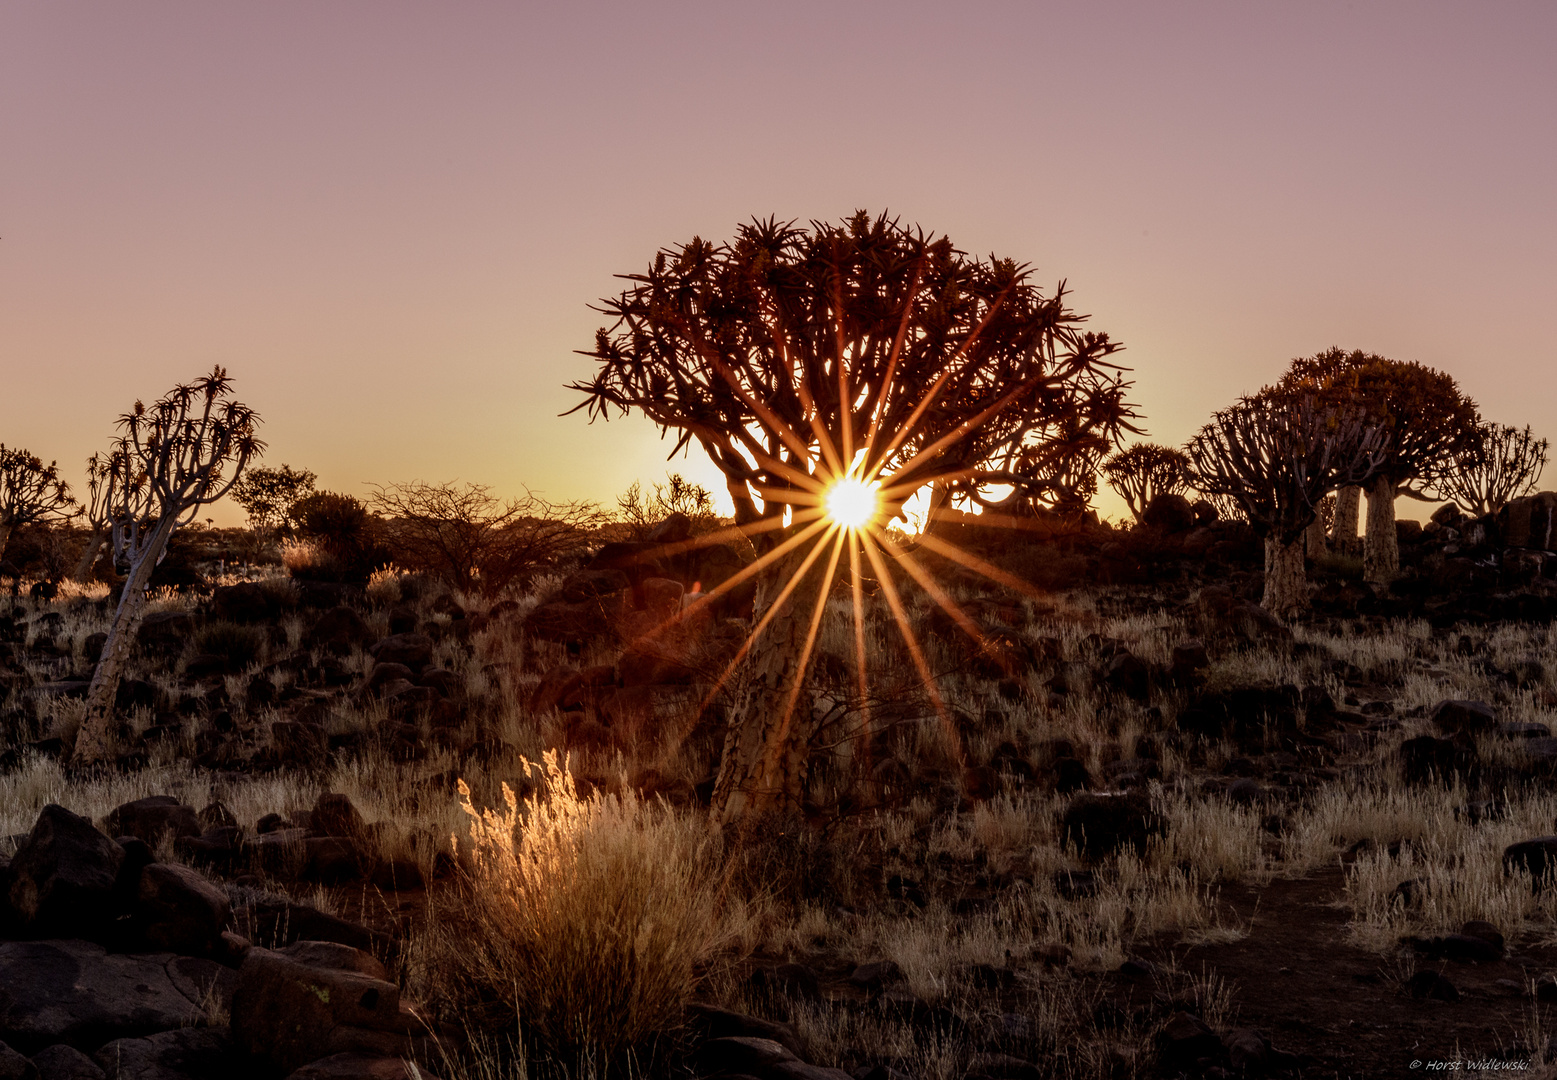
{"type": "Point", "coordinates": [1145, 471]}
{"type": "Point", "coordinates": [1429, 424]}
{"type": "Point", "coordinates": [1504, 463]}
{"type": "Point", "coordinates": [1277, 454]}
{"type": "Point", "coordinates": [840, 364]}
{"type": "Point", "coordinates": [182, 453]}
{"type": "Point", "coordinates": [102, 476]}
{"type": "Point", "coordinates": [30, 492]}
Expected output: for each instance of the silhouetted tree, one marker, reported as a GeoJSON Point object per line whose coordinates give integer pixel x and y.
{"type": "Point", "coordinates": [641, 512]}
{"type": "Point", "coordinates": [1505, 463]}
{"type": "Point", "coordinates": [1145, 471]}
{"type": "Point", "coordinates": [1429, 423]}
{"type": "Point", "coordinates": [267, 495]}
{"type": "Point", "coordinates": [184, 452]}
{"type": "Point", "coordinates": [102, 476]}
{"type": "Point", "coordinates": [1277, 454]}
{"type": "Point", "coordinates": [472, 540]}
{"type": "Point", "coordinates": [796, 357]}
{"type": "Point", "coordinates": [30, 491]}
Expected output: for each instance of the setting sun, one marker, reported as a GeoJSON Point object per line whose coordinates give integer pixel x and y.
{"type": "Point", "coordinates": [851, 503]}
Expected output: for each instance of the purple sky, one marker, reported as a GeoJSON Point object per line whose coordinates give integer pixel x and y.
{"type": "Point", "coordinates": [387, 219]}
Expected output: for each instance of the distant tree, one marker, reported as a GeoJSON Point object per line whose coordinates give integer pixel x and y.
{"type": "Point", "coordinates": [268, 495]}
{"type": "Point", "coordinates": [341, 539]}
{"type": "Point", "coordinates": [102, 476]}
{"type": "Point", "coordinates": [184, 452]}
{"type": "Point", "coordinates": [641, 512]}
{"type": "Point", "coordinates": [1429, 423]}
{"type": "Point", "coordinates": [1145, 471]}
{"type": "Point", "coordinates": [470, 539]}
{"type": "Point", "coordinates": [1505, 463]}
{"type": "Point", "coordinates": [30, 491]}
{"type": "Point", "coordinates": [1277, 454]}
{"type": "Point", "coordinates": [801, 358]}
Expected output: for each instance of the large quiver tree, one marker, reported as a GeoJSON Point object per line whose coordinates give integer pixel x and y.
{"type": "Point", "coordinates": [30, 492]}
{"type": "Point", "coordinates": [1504, 463]}
{"type": "Point", "coordinates": [1276, 455]}
{"type": "Point", "coordinates": [796, 357]}
{"type": "Point", "coordinates": [1145, 471]}
{"type": "Point", "coordinates": [182, 453]}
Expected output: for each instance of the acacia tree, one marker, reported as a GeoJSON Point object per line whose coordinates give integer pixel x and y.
{"type": "Point", "coordinates": [472, 540]}
{"type": "Point", "coordinates": [806, 360]}
{"type": "Point", "coordinates": [30, 491]}
{"type": "Point", "coordinates": [182, 453]}
{"type": "Point", "coordinates": [1277, 454]}
{"type": "Point", "coordinates": [1505, 463]}
{"type": "Point", "coordinates": [267, 495]}
{"type": "Point", "coordinates": [1145, 471]}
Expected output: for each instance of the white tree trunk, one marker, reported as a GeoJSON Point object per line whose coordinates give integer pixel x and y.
{"type": "Point", "coordinates": [1286, 578]}
{"type": "Point", "coordinates": [766, 749]}
{"type": "Point", "coordinates": [1343, 532]}
{"type": "Point", "coordinates": [1381, 547]}
{"type": "Point", "coordinates": [94, 741]}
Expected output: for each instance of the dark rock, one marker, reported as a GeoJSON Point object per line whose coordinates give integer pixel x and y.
{"type": "Point", "coordinates": [1247, 1052]}
{"type": "Point", "coordinates": [1480, 928]}
{"type": "Point", "coordinates": [1070, 775]}
{"type": "Point", "coordinates": [1471, 716]}
{"type": "Point", "coordinates": [244, 602]}
{"type": "Point", "coordinates": [92, 647]}
{"type": "Point", "coordinates": [1222, 611]}
{"type": "Point", "coordinates": [189, 1053]}
{"type": "Point", "coordinates": [1538, 856]}
{"type": "Point", "coordinates": [274, 923]}
{"type": "Point", "coordinates": [588, 584]}
{"type": "Point", "coordinates": [62, 879]}
{"type": "Point", "coordinates": [1431, 986]}
{"type": "Point", "coordinates": [1185, 1039]}
{"type": "Point", "coordinates": [77, 993]}
{"type": "Point", "coordinates": [338, 630]}
{"type": "Point", "coordinates": [1425, 759]}
{"type": "Point", "coordinates": [180, 911]}
{"type": "Point", "coordinates": [166, 630]}
{"type": "Point", "coordinates": [385, 675]}
{"type": "Point", "coordinates": [64, 1062]}
{"type": "Point", "coordinates": [354, 1066]}
{"type": "Point", "coordinates": [402, 620]}
{"type": "Point", "coordinates": [712, 1022]}
{"type": "Point", "coordinates": [741, 1054]}
{"type": "Point", "coordinates": [1129, 673]}
{"type": "Point", "coordinates": [298, 743]}
{"type": "Point", "coordinates": [1169, 514]}
{"type": "Point", "coordinates": [1246, 791]}
{"type": "Point", "coordinates": [1100, 825]}
{"type": "Point", "coordinates": [314, 999]}
{"type": "Point", "coordinates": [152, 818]}
{"type": "Point", "coordinates": [412, 650]}
{"type": "Point", "coordinates": [796, 980]}
{"type": "Point", "coordinates": [14, 1066]}
{"type": "Point", "coordinates": [334, 815]}
{"type": "Point", "coordinates": [205, 666]}
{"type": "Point", "coordinates": [1528, 522]}
{"type": "Point", "coordinates": [876, 974]}
{"type": "Point", "coordinates": [137, 694]}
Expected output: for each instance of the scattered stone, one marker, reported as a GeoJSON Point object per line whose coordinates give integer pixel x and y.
{"type": "Point", "coordinates": [412, 650]}
{"type": "Point", "coordinates": [1247, 1051]}
{"type": "Point", "coordinates": [152, 818]}
{"type": "Point", "coordinates": [1099, 825]}
{"type": "Point", "coordinates": [741, 1054]}
{"type": "Point", "coordinates": [1425, 759]}
{"type": "Point", "coordinates": [716, 1023]}
{"type": "Point", "coordinates": [1470, 716]}
{"type": "Point", "coordinates": [1486, 931]}
{"type": "Point", "coordinates": [62, 1062]}
{"type": "Point", "coordinates": [190, 1053]}
{"type": "Point", "coordinates": [14, 1066]}
{"type": "Point", "coordinates": [180, 911]}
{"type": "Point", "coordinates": [167, 630]}
{"type": "Point", "coordinates": [338, 630]}
{"type": "Point", "coordinates": [875, 975]}
{"type": "Point", "coordinates": [79, 993]}
{"type": "Point", "coordinates": [1185, 1039]}
{"type": "Point", "coordinates": [1538, 856]}
{"type": "Point", "coordinates": [63, 877]}
{"type": "Point", "coordinates": [1431, 986]}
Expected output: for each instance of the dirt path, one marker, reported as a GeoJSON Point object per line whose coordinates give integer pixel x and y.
{"type": "Point", "coordinates": [1342, 1011]}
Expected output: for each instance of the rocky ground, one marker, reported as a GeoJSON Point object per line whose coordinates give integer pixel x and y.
{"type": "Point", "coordinates": [1155, 833]}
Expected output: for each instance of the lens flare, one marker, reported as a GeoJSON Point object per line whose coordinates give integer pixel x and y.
{"type": "Point", "coordinates": [851, 503]}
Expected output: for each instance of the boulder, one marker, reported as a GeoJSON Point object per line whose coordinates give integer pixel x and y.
{"type": "Point", "coordinates": [78, 993]}
{"type": "Point", "coordinates": [352, 1066]}
{"type": "Point", "coordinates": [190, 1053]}
{"type": "Point", "coordinates": [62, 878]}
{"type": "Point", "coordinates": [1100, 825]}
{"type": "Point", "coordinates": [1223, 613]}
{"type": "Point", "coordinates": [165, 630]}
{"type": "Point", "coordinates": [1425, 759]}
{"type": "Point", "coordinates": [14, 1066]}
{"type": "Point", "coordinates": [1453, 717]}
{"type": "Point", "coordinates": [1538, 856]}
{"type": "Point", "coordinates": [64, 1062]}
{"type": "Point", "coordinates": [244, 602]}
{"type": "Point", "coordinates": [585, 585]}
{"type": "Point", "coordinates": [385, 675]}
{"type": "Point", "coordinates": [178, 910]}
{"type": "Point", "coordinates": [1529, 522]}
{"type": "Point", "coordinates": [314, 999]}
{"type": "Point", "coordinates": [152, 818]}
{"type": "Point", "coordinates": [338, 630]}
{"type": "Point", "coordinates": [1169, 514]}
{"type": "Point", "coordinates": [334, 815]}
{"type": "Point", "coordinates": [1185, 1039]}
{"type": "Point", "coordinates": [412, 650]}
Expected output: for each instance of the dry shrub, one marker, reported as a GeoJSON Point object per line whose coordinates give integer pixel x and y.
{"type": "Point", "coordinates": [588, 913]}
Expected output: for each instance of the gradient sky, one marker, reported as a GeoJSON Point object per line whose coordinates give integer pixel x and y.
{"type": "Point", "coordinates": [388, 219]}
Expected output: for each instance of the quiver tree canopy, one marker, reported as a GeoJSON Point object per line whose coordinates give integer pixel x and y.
{"type": "Point", "coordinates": [858, 348]}
{"type": "Point", "coordinates": [1145, 471]}
{"type": "Point", "coordinates": [30, 491]}
{"type": "Point", "coordinates": [1505, 463]}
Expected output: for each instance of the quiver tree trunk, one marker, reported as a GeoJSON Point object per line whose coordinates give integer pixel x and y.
{"type": "Point", "coordinates": [94, 544]}
{"type": "Point", "coordinates": [1314, 540]}
{"type": "Point", "coordinates": [762, 770]}
{"type": "Point", "coordinates": [1381, 547]}
{"type": "Point", "coordinates": [1286, 578]}
{"type": "Point", "coordinates": [1343, 533]}
{"type": "Point", "coordinates": [5, 536]}
{"type": "Point", "coordinates": [94, 739]}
